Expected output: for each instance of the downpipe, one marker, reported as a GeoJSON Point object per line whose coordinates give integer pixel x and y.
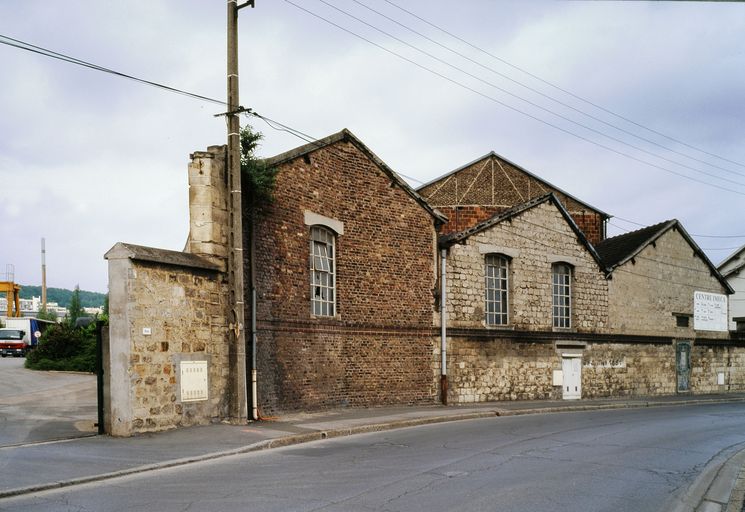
{"type": "Point", "coordinates": [443, 329]}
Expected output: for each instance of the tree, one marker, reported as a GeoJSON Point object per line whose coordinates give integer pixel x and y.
{"type": "Point", "coordinates": [75, 310]}
{"type": "Point", "coordinates": [43, 314]}
{"type": "Point", "coordinates": [259, 177]}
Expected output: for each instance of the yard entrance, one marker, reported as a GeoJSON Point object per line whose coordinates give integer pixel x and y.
{"type": "Point", "coordinates": [41, 406]}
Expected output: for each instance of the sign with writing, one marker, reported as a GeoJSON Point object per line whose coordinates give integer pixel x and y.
{"type": "Point", "coordinates": [709, 311]}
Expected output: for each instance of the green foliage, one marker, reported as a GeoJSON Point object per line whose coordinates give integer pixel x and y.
{"type": "Point", "coordinates": [64, 348]}
{"type": "Point", "coordinates": [62, 296]}
{"type": "Point", "coordinates": [258, 177]}
{"type": "Point", "coordinates": [74, 309]}
{"type": "Point", "coordinates": [43, 314]}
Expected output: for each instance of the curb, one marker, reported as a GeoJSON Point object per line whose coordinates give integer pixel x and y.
{"type": "Point", "coordinates": [295, 439]}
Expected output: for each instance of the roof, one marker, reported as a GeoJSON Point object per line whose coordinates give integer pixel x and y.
{"type": "Point", "coordinates": [729, 259]}
{"type": "Point", "coordinates": [453, 238]}
{"type": "Point", "coordinates": [347, 136]}
{"type": "Point", "coordinates": [618, 250]}
{"type": "Point", "coordinates": [493, 154]}
{"type": "Point", "coordinates": [141, 253]}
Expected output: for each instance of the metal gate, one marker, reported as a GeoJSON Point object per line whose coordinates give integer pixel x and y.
{"type": "Point", "coordinates": [683, 365]}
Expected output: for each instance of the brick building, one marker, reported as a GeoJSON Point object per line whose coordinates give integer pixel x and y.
{"type": "Point", "coordinates": [492, 184]}
{"type": "Point", "coordinates": [345, 266]}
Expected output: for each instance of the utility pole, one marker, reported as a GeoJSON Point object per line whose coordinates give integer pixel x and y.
{"type": "Point", "coordinates": [239, 403]}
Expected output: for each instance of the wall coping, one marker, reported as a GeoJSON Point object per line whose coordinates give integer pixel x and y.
{"type": "Point", "coordinates": [122, 250]}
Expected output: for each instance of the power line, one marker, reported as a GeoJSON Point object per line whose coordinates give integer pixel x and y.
{"type": "Point", "coordinates": [72, 60]}
{"type": "Point", "coordinates": [692, 234]}
{"type": "Point", "coordinates": [506, 105]}
{"type": "Point", "coordinates": [536, 105]}
{"type": "Point", "coordinates": [565, 91]}
{"type": "Point", "coordinates": [526, 86]}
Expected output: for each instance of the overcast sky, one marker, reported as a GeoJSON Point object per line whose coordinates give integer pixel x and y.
{"type": "Point", "coordinates": [88, 159]}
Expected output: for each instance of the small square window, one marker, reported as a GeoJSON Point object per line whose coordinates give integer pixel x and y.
{"type": "Point", "coordinates": [682, 320]}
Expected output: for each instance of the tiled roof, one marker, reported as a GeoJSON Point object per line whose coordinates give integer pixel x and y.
{"type": "Point", "coordinates": [618, 249]}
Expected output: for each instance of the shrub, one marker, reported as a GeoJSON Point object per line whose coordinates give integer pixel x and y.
{"type": "Point", "coordinates": [64, 348]}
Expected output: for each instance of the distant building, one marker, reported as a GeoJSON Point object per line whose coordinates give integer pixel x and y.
{"type": "Point", "coordinates": [733, 270]}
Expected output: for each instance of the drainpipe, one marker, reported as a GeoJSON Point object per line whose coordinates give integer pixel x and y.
{"type": "Point", "coordinates": [443, 330]}
{"type": "Point", "coordinates": [254, 394]}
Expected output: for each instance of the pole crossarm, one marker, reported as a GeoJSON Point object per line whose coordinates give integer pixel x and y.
{"type": "Point", "coordinates": [239, 110]}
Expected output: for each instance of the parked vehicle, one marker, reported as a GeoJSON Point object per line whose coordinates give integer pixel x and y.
{"type": "Point", "coordinates": [20, 335]}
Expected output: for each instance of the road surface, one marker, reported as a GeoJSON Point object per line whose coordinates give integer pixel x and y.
{"type": "Point", "coordinates": [620, 460]}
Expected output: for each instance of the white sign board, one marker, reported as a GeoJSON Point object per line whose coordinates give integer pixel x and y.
{"type": "Point", "coordinates": [709, 311]}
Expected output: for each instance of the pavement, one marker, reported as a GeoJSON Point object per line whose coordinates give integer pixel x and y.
{"type": "Point", "coordinates": [33, 467]}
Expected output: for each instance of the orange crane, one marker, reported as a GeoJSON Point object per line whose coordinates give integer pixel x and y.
{"type": "Point", "coordinates": [12, 292]}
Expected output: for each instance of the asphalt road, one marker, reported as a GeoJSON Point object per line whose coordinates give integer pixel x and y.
{"type": "Point", "coordinates": [39, 406]}
{"type": "Point", "coordinates": [620, 460]}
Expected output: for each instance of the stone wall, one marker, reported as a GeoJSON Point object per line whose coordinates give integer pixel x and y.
{"type": "Point", "coordinates": [645, 293]}
{"type": "Point", "coordinates": [533, 240]}
{"type": "Point", "coordinates": [484, 368]}
{"type": "Point", "coordinates": [377, 348]}
{"type": "Point", "coordinates": [165, 308]}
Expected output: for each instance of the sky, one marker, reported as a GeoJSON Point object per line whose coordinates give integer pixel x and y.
{"type": "Point", "coordinates": [637, 108]}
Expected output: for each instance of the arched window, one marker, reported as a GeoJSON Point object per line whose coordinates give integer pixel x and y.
{"type": "Point", "coordinates": [497, 270]}
{"type": "Point", "coordinates": [322, 272]}
{"type": "Point", "coordinates": [561, 293]}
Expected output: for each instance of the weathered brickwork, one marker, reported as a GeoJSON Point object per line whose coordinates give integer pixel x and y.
{"type": "Point", "coordinates": [385, 275]}
{"type": "Point", "coordinates": [492, 185]}
{"type": "Point", "coordinates": [645, 292]}
{"type": "Point", "coordinates": [536, 237]}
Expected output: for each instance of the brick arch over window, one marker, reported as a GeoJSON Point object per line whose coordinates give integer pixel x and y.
{"type": "Point", "coordinates": [497, 289]}
{"type": "Point", "coordinates": [322, 271]}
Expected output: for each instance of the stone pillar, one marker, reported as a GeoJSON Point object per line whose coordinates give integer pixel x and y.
{"type": "Point", "coordinates": [208, 203]}
{"type": "Point", "coordinates": [119, 404]}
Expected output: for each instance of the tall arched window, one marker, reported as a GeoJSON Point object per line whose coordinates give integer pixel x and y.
{"type": "Point", "coordinates": [497, 270]}
{"type": "Point", "coordinates": [322, 272]}
{"type": "Point", "coordinates": [561, 293]}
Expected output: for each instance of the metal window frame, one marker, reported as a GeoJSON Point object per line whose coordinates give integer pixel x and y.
{"type": "Point", "coordinates": [322, 271]}
{"type": "Point", "coordinates": [496, 284]}
{"type": "Point", "coordinates": [561, 295]}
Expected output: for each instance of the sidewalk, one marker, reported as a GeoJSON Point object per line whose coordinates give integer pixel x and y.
{"type": "Point", "coordinates": [35, 467]}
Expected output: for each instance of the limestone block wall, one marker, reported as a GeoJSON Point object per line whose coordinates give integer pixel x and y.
{"type": "Point", "coordinates": [483, 369]}
{"type": "Point", "coordinates": [619, 370]}
{"type": "Point", "coordinates": [645, 293]}
{"type": "Point", "coordinates": [208, 203]}
{"type": "Point", "coordinates": [534, 239]}
{"type": "Point", "coordinates": [166, 309]}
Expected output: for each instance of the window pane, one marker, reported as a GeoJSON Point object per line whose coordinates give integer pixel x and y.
{"type": "Point", "coordinates": [496, 270]}
{"type": "Point", "coordinates": [322, 271]}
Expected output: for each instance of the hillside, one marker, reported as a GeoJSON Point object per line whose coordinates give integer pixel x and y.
{"type": "Point", "coordinates": [62, 296]}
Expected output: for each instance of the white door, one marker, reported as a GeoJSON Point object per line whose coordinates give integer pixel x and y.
{"type": "Point", "coordinates": [572, 370]}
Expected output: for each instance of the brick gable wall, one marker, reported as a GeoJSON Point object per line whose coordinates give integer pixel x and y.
{"type": "Point", "coordinates": [378, 348]}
